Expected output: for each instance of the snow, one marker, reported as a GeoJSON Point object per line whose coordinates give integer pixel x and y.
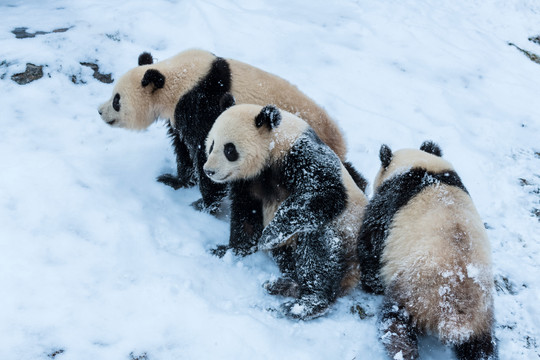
{"type": "Point", "coordinates": [99, 261]}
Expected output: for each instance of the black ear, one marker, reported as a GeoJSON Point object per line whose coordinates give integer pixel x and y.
{"type": "Point", "coordinates": [146, 59]}
{"type": "Point", "coordinates": [226, 101]}
{"type": "Point", "coordinates": [385, 154]}
{"type": "Point", "coordinates": [153, 77]}
{"type": "Point", "coordinates": [431, 148]}
{"type": "Point", "coordinates": [269, 116]}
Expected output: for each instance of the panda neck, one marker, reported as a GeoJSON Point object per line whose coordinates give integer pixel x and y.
{"type": "Point", "coordinates": [284, 136]}
{"type": "Point", "coordinates": [181, 75]}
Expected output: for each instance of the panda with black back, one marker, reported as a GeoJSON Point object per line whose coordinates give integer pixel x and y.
{"type": "Point", "coordinates": [290, 195]}
{"type": "Point", "coordinates": [424, 246]}
{"type": "Point", "coordinates": [186, 90]}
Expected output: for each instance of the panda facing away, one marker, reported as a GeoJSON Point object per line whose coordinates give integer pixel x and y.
{"type": "Point", "coordinates": [291, 196]}
{"type": "Point", "coordinates": [424, 246]}
{"type": "Point", "coordinates": [186, 90]}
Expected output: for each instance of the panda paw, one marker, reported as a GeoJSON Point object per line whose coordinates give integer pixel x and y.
{"type": "Point", "coordinates": [220, 250]}
{"type": "Point", "coordinates": [175, 182]}
{"type": "Point", "coordinates": [283, 286]}
{"type": "Point", "coordinates": [306, 308]}
{"type": "Point", "coordinates": [200, 206]}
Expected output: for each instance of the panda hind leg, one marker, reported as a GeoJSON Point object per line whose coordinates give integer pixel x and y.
{"type": "Point", "coordinates": [186, 175]}
{"type": "Point", "coordinates": [480, 347]}
{"type": "Point", "coordinates": [396, 331]}
{"type": "Point", "coordinates": [319, 270]}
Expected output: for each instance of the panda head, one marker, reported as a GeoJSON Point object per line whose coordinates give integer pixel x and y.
{"type": "Point", "coordinates": [132, 102]}
{"type": "Point", "coordinates": [240, 144]}
{"type": "Point", "coordinates": [429, 157]}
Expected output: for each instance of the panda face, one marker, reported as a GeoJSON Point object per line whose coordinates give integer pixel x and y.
{"type": "Point", "coordinates": [401, 161]}
{"type": "Point", "coordinates": [132, 104]}
{"type": "Point", "coordinates": [236, 148]}
{"type": "Point", "coordinates": [129, 105]}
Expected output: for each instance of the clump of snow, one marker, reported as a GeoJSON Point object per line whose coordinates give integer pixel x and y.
{"type": "Point", "coordinates": [99, 261]}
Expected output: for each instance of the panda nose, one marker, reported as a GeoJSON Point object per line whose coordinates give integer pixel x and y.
{"type": "Point", "coordinates": [100, 112]}
{"type": "Point", "coordinates": [209, 173]}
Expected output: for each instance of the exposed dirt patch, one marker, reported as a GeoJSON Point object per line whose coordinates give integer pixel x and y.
{"type": "Point", "coordinates": [21, 33]}
{"type": "Point", "coordinates": [104, 78]}
{"type": "Point", "coordinates": [532, 56]}
{"type": "Point", "coordinates": [32, 73]}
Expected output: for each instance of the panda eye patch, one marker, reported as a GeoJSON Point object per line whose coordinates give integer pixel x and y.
{"type": "Point", "coordinates": [230, 152]}
{"type": "Point", "coordinates": [211, 148]}
{"type": "Point", "coordinates": [116, 102]}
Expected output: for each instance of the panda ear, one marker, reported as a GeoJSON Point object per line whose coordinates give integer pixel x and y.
{"type": "Point", "coordinates": [226, 101]}
{"type": "Point", "coordinates": [431, 148]}
{"type": "Point", "coordinates": [146, 59]}
{"type": "Point", "coordinates": [152, 76]}
{"type": "Point", "coordinates": [269, 116]}
{"type": "Point", "coordinates": [385, 154]}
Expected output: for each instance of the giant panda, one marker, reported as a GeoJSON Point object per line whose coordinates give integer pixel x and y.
{"type": "Point", "coordinates": [424, 246]}
{"type": "Point", "coordinates": [186, 89]}
{"type": "Point", "coordinates": [291, 196]}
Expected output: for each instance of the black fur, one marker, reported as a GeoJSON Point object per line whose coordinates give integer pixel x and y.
{"type": "Point", "coordinates": [145, 59]}
{"type": "Point", "coordinates": [391, 196]}
{"type": "Point", "coordinates": [184, 165]}
{"type": "Point", "coordinates": [385, 154]}
{"type": "Point", "coordinates": [358, 178]}
{"type": "Point", "coordinates": [317, 194]}
{"type": "Point", "coordinates": [397, 331]}
{"type": "Point", "coordinates": [482, 347]}
{"type": "Point", "coordinates": [269, 116]}
{"type": "Point", "coordinates": [194, 115]}
{"type": "Point", "coordinates": [226, 101]}
{"type": "Point", "coordinates": [153, 76]}
{"type": "Point", "coordinates": [313, 195]}
{"type": "Point", "coordinates": [431, 148]}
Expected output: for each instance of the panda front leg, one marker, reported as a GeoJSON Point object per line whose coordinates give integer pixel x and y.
{"type": "Point", "coordinates": [184, 164]}
{"type": "Point", "coordinates": [212, 193]}
{"type": "Point", "coordinates": [478, 347]}
{"type": "Point", "coordinates": [319, 270]}
{"type": "Point", "coordinates": [396, 331]}
{"type": "Point", "coordinates": [246, 221]}
{"type": "Point", "coordinates": [286, 285]}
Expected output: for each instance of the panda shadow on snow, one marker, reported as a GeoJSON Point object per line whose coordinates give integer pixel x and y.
{"type": "Point", "coordinates": [423, 245]}
{"type": "Point", "coordinates": [186, 90]}
{"type": "Point", "coordinates": [291, 196]}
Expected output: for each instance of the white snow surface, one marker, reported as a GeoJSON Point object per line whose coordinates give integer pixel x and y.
{"type": "Point", "coordinates": [99, 261]}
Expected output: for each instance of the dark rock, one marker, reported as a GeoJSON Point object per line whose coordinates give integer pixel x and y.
{"type": "Point", "coordinates": [360, 311]}
{"type": "Point", "coordinates": [21, 33]}
{"type": "Point", "coordinates": [533, 57]}
{"type": "Point", "coordinates": [55, 353]}
{"type": "Point", "coordinates": [535, 39]}
{"type": "Point", "coordinates": [504, 285]}
{"type": "Point", "coordinates": [524, 182]}
{"type": "Point", "coordinates": [143, 356]}
{"type": "Point", "coordinates": [32, 73]}
{"type": "Point", "coordinates": [104, 78]}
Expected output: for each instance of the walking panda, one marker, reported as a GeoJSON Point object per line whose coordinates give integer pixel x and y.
{"type": "Point", "coordinates": [291, 196]}
{"type": "Point", "coordinates": [186, 89]}
{"type": "Point", "coordinates": [424, 246]}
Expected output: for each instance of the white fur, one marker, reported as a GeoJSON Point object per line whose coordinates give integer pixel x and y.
{"type": "Point", "coordinates": [436, 260]}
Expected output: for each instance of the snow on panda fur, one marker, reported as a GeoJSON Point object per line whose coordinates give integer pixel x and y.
{"type": "Point", "coordinates": [292, 196]}
{"type": "Point", "coordinates": [424, 245]}
{"type": "Point", "coordinates": [186, 90]}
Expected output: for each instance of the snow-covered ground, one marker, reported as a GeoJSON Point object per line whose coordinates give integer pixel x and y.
{"type": "Point", "coordinates": [99, 261]}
